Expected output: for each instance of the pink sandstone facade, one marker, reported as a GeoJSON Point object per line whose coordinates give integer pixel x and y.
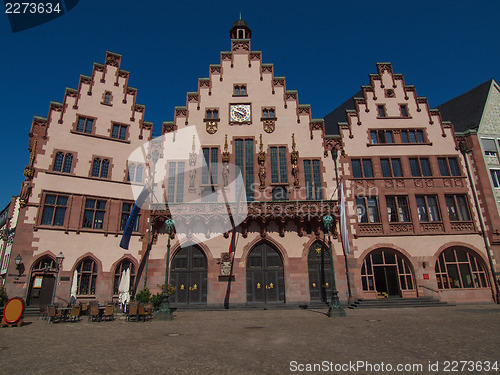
{"type": "Point", "coordinates": [413, 229]}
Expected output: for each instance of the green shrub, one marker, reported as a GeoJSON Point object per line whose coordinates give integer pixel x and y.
{"type": "Point", "coordinates": [143, 296]}
{"type": "Point", "coordinates": [156, 300]}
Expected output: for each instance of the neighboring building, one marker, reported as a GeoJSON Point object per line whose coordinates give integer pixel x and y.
{"type": "Point", "coordinates": [476, 118]}
{"type": "Point", "coordinates": [396, 157]}
{"type": "Point", "coordinates": [416, 231]}
{"type": "Point", "coordinates": [8, 222]}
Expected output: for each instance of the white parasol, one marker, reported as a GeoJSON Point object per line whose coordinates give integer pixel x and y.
{"type": "Point", "coordinates": [121, 287]}
{"type": "Point", "coordinates": [126, 284]}
{"type": "Point", "coordinates": [74, 286]}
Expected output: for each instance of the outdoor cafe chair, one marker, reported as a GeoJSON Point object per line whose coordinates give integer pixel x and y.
{"type": "Point", "coordinates": [84, 308]}
{"type": "Point", "coordinates": [132, 311]}
{"type": "Point", "coordinates": [94, 312]}
{"type": "Point", "coordinates": [54, 315]}
{"type": "Point", "coordinates": [148, 312]}
{"type": "Point", "coordinates": [108, 312]}
{"type": "Point", "coordinates": [140, 313]}
{"type": "Point", "coordinates": [43, 312]}
{"type": "Point", "coordinates": [74, 314]}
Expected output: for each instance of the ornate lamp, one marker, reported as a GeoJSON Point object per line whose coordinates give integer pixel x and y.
{"type": "Point", "coordinates": [334, 310]}
{"type": "Point", "coordinates": [59, 261]}
{"type": "Point", "coordinates": [164, 313]}
{"type": "Point", "coordinates": [18, 261]}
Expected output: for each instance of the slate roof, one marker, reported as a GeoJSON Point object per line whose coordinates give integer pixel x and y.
{"type": "Point", "coordinates": [338, 115]}
{"type": "Point", "coordinates": [465, 111]}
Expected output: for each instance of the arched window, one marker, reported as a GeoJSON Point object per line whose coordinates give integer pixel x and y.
{"type": "Point", "coordinates": [124, 265]}
{"type": "Point", "coordinates": [100, 169]}
{"type": "Point", "coordinates": [45, 264]}
{"type": "Point", "coordinates": [68, 161]}
{"type": "Point", "coordinates": [96, 167]}
{"type": "Point", "coordinates": [58, 163]}
{"type": "Point", "coordinates": [87, 276]}
{"type": "Point", "coordinates": [105, 168]}
{"type": "Point", "coordinates": [138, 177]}
{"type": "Point", "coordinates": [457, 268]}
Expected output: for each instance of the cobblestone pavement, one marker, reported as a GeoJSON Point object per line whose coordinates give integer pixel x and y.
{"type": "Point", "coordinates": [259, 342]}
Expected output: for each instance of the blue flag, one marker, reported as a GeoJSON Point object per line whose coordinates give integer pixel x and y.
{"type": "Point", "coordinates": [129, 227]}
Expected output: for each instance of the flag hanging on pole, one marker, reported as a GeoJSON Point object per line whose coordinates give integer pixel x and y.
{"type": "Point", "coordinates": [129, 226]}
{"type": "Point", "coordinates": [344, 233]}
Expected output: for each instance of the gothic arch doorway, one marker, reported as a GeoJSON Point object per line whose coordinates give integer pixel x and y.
{"type": "Point", "coordinates": [320, 275]}
{"type": "Point", "coordinates": [265, 275]}
{"type": "Point", "coordinates": [43, 278]}
{"type": "Point", "coordinates": [386, 272]}
{"type": "Point", "coordinates": [189, 275]}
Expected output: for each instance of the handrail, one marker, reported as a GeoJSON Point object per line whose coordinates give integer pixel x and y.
{"type": "Point", "coordinates": [432, 290]}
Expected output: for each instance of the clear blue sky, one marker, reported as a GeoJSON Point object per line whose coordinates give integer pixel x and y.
{"type": "Point", "coordinates": [325, 49]}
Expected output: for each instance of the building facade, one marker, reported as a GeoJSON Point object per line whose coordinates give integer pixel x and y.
{"type": "Point", "coordinates": [248, 199]}
{"type": "Point", "coordinates": [476, 118]}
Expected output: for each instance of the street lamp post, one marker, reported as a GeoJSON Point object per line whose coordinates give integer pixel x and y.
{"type": "Point", "coordinates": [59, 261]}
{"type": "Point", "coordinates": [334, 310]}
{"type": "Point", "coordinates": [164, 313]}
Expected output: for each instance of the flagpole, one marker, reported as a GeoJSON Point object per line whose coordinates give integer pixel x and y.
{"type": "Point", "coordinates": [334, 153]}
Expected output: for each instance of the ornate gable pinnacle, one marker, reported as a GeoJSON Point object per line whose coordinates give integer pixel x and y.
{"type": "Point", "coordinates": [113, 59]}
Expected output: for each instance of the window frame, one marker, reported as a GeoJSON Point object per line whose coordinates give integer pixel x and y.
{"type": "Point", "coordinates": [312, 179]}
{"type": "Point", "coordinates": [397, 205]}
{"type": "Point", "coordinates": [427, 210]}
{"type": "Point", "coordinates": [449, 260]}
{"type": "Point", "coordinates": [495, 177]}
{"type": "Point", "coordinates": [54, 207]}
{"type": "Point", "coordinates": [92, 277]}
{"type": "Point", "coordinates": [391, 167]}
{"type": "Point", "coordinates": [212, 114]}
{"type": "Point", "coordinates": [95, 210]}
{"type": "Point", "coordinates": [279, 165]}
{"type": "Point", "coordinates": [364, 200]}
{"type": "Point", "coordinates": [362, 167]}
{"type": "Point", "coordinates": [85, 128]}
{"type": "Point", "coordinates": [124, 215]}
{"type": "Point", "coordinates": [458, 207]}
{"type": "Point", "coordinates": [102, 160]}
{"type": "Point", "coordinates": [377, 135]}
{"type": "Point", "coordinates": [240, 89]}
{"type": "Point", "coordinates": [403, 109]}
{"type": "Point", "coordinates": [381, 111]}
{"type": "Point", "coordinates": [267, 112]}
{"type": "Point", "coordinates": [420, 167]}
{"type": "Point", "coordinates": [119, 134]}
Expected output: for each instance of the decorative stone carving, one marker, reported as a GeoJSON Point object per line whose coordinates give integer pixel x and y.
{"type": "Point", "coordinates": [262, 161]}
{"type": "Point", "coordinates": [269, 126]}
{"type": "Point", "coordinates": [462, 227]}
{"type": "Point", "coordinates": [295, 163]}
{"type": "Point", "coordinates": [401, 228]}
{"type": "Point", "coordinates": [370, 228]}
{"type": "Point", "coordinates": [192, 164]}
{"type": "Point", "coordinates": [432, 227]}
{"type": "Point", "coordinates": [211, 127]}
{"type": "Point", "coordinates": [225, 163]}
{"type": "Point", "coordinates": [225, 264]}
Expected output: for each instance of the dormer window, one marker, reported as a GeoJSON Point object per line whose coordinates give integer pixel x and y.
{"type": "Point", "coordinates": [381, 111]}
{"type": "Point", "coordinates": [240, 90]}
{"type": "Point", "coordinates": [212, 114]}
{"type": "Point", "coordinates": [268, 113]}
{"type": "Point", "coordinates": [107, 97]}
{"type": "Point", "coordinates": [404, 110]}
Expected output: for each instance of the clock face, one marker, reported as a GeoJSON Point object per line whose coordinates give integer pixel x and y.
{"type": "Point", "coordinates": [240, 112]}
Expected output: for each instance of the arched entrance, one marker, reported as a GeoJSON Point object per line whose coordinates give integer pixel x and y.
{"type": "Point", "coordinates": [320, 275]}
{"type": "Point", "coordinates": [43, 277]}
{"type": "Point", "coordinates": [387, 273]}
{"type": "Point", "coordinates": [265, 276]}
{"type": "Point", "coordinates": [189, 275]}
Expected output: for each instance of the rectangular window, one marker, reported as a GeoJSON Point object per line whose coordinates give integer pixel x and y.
{"type": "Point", "coordinates": [420, 167]}
{"type": "Point", "coordinates": [210, 165]}
{"type": "Point", "coordinates": [489, 147]}
{"type": "Point", "coordinates": [54, 210]}
{"type": "Point", "coordinates": [367, 210]}
{"type": "Point", "coordinates": [448, 167]}
{"type": "Point", "coordinates": [381, 111]}
{"type": "Point", "coordinates": [427, 208]}
{"type": "Point", "coordinates": [175, 182]}
{"type": "Point", "coordinates": [397, 209]}
{"type": "Point", "coordinates": [404, 110]}
{"type": "Point", "coordinates": [126, 209]}
{"type": "Point", "coordinates": [244, 153]}
{"type": "Point", "coordinates": [85, 125]}
{"type": "Point", "coordinates": [313, 180]}
{"type": "Point", "coordinates": [381, 136]}
{"type": "Point", "coordinates": [119, 131]}
{"type": "Point", "coordinates": [268, 113]}
{"type": "Point", "coordinates": [457, 208]}
{"type": "Point", "coordinates": [391, 167]}
{"type": "Point", "coordinates": [495, 177]}
{"type": "Point", "coordinates": [212, 114]}
{"type": "Point", "coordinates": [362, 168]}
{"type": "Point", "coordinates": [93, 216]}
{"type": "Point", "coordinates": [278, 165]}
{"type": "Point", "coordinates": [412, 136]}
{"type": "Point", "coordinates": [240, 90]}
